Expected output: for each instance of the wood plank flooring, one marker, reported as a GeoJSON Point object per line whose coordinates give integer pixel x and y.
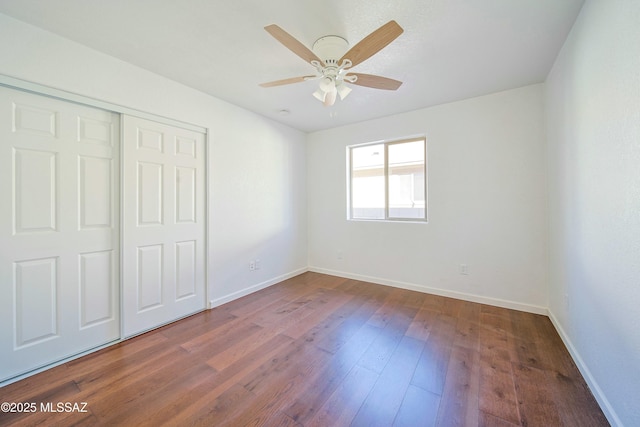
{"type": "Point", "coordinates": [320, 350]}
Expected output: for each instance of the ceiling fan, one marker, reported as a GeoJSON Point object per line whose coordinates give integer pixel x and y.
{"type": "Point", "coordinates": [332, 61]}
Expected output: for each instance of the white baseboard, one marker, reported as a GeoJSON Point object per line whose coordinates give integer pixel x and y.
{"type": "Point", "coordinates": [529, 308]}
{"type": "Point", "coordinates": [238, 294]}
{"type": "Point", "coordinates": [609, 412]}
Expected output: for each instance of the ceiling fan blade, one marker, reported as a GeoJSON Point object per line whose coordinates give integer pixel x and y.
{"type": "Point", "coordinates": [373, 43]}
{"type": "Point", "coordinates": [292, 44]}
{"type": "Point", "coordinates": [376, 82]}
{"type": "Point", "coordinates": [287, 81]}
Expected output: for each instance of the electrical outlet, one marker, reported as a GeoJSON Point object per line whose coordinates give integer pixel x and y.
{"type": "Point", "coordinates": [464, 269]}
{"type": "Point", "coordinates": [252, 265]}
{"type": "Point", "coordinates": [339, 254]}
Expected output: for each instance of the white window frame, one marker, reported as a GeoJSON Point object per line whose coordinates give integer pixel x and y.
{"type": "Point", "coordinates": [386, 144]}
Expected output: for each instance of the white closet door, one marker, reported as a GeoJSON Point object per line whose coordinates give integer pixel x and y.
{"type": "Point", "coordinates": [59, 225]}
{"type": "Point", "coordinates": [163, 263]}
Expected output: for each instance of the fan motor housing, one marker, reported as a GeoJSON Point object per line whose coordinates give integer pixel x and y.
{"type": "Point", "coordinates": [330, 49]}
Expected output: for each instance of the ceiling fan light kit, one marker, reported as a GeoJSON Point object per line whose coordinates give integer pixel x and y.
{"type": "Point", "coordinates": [332, 61]}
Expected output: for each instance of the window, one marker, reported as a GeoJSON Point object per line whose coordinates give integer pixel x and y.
{"type": "Point", "coordinates": [387, 180]}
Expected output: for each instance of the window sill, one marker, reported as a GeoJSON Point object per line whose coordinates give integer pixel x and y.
{"type": "Point", "coordinates": [393, 221]}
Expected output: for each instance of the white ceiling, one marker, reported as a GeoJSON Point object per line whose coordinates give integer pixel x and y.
{"type": "Point", "coordinates": [450, 49]}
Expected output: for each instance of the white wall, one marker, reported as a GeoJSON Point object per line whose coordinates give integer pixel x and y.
{"type": "Point", "coordinates": [593, 128]}
{"type": "Point", "coordinates": [258, 190]}
{"type": "Point", "coordinates": [486, 196]}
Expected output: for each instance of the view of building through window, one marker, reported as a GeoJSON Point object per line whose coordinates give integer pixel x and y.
{"type": "Point", "coordinates": [388, 180]}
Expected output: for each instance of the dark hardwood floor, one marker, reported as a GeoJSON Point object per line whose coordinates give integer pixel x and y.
{"type": "Point", "coordinates": [319, 350]}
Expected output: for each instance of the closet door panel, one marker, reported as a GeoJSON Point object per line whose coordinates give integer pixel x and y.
{"type": "Point", "coordinates": [59, 230]}
{"type": "Point", "coordinates": [163, 264]}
